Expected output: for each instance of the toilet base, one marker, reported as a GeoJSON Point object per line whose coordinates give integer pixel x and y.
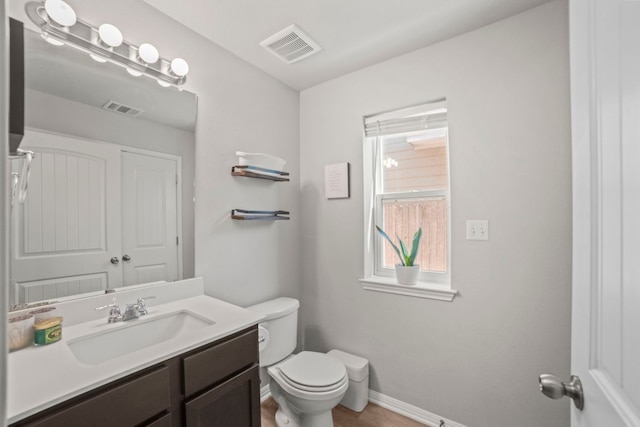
{"type": "Point", "coordinates": [324, 419]}
{"type": "Point", "coordinates": [290, 414]}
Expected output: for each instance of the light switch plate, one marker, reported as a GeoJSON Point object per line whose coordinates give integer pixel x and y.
{"type": "Point", "coordinates": [477, 229]}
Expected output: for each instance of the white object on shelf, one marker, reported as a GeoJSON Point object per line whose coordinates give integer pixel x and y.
{"type": "Point", "coordinates": [262, 160]}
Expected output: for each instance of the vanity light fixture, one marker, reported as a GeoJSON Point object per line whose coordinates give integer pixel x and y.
{"type": "Point", "coordinates": [148, 54]}
{"type": "Point", "coordinates": [110, 35]}
{"type": "Point", "coordinates": [133, 72]}
{"type": "Point", "coordinates": [52, 41]}
{"type": "Point", "coordinates": [60, 25]}
{"type": "Point", "coordinates": [179, 67]}
{"type": "Point", "coordinates": [97, 58]}
{"type": "Point", "coordinates": [60, 12]}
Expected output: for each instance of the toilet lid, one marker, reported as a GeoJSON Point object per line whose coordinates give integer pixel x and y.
{"type": "Point", "coordinates": [313, 370]}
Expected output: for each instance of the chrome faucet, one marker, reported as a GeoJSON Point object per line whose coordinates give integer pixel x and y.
{"type": "Point", "coordinates": [131, 311]}
{"type": "Point", "coordinates": [142, 305]}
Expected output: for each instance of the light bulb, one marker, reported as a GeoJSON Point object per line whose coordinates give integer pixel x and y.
{"type": "Point", "coordinates": [148, 53]}
{"type": "Point", "coordinates": [97, 58]}
{"type": "Point", "coordinates": [163, 83]}
{"type": "Point", "coordinates": [110, 35]}
{"type": "Point", "coordinates": [179, 67]}
{"type": "Point", "coordinates": [133, 72]}
{"type": "Point", "coordinates": [60, 12]}
{"type": "Point", "coordinates": [52, 41]}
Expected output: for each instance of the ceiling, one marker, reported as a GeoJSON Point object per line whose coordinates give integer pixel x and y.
{"type": "Point", "coordinates": [352, 33]}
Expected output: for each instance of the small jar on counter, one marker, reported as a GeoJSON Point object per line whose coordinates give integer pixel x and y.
{"type": "Point", "coordinates": [48, 331]}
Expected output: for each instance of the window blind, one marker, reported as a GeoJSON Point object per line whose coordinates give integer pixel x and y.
{"type": "Point", "coordinates": [414, 119]}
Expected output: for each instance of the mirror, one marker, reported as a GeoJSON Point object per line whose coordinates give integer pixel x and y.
{"type": "Point", "coordinates": [110, 197]}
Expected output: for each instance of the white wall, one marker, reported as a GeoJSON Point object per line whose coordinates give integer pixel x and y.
{"type": "Point", "coordinates": [475, 360]}
{"type": "Point", "coordinates": [239, 108]}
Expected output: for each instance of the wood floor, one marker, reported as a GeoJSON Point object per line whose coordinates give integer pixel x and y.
{"type": "Point", "coordinates": [372, 416]}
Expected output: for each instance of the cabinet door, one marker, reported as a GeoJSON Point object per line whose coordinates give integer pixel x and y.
{"type": "Point", "coordinates": [234, 403]}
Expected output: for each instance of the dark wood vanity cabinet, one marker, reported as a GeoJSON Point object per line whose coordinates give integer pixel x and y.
{"type": "Point", "coordinates": [229, 404]}
{"type": "Point", "coordinates": [217, 385]}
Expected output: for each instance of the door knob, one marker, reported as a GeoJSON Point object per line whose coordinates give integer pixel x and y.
{"type": "Point", "coordinates": [115, 260]}
{"type": "Point", "coordinates": [126, 258]}
{"type": "Point", "coordinates": [553, 387]}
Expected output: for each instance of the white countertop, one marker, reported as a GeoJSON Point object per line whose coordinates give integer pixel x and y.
{"type": "Point", "coordinates": [41, 377]}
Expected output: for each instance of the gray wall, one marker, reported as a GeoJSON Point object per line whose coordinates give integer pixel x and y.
{"type": "Point", "coordinates": [474, 360]}
{"type": "Point", "coordinates": [60, 115]}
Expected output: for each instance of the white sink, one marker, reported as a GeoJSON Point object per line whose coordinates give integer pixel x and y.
{"type": "Point", "coordinates": [134, 335]}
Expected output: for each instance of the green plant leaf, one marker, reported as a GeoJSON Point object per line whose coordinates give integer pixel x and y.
{"type": "Point", "coordinates": [395, 248]}
{"type": "Point", "coordinates": [405, 254]}
{"type": "Point", "coordinates": [415, 245]}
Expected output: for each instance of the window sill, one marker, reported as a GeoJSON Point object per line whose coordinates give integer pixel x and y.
{"type": "Point", "coordinates": [421, 290]}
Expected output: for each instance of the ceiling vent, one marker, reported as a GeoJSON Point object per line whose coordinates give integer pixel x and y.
{"type": "Point", "coordinates": [291, 44]}
{"type": "Point", "coordinates": [117, 107]}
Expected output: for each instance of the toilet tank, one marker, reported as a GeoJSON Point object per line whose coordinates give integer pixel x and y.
{"type": "Point", "coordinates": [281, 324]}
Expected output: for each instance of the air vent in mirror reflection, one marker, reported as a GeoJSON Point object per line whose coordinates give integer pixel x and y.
{"type": "Point", "coordinates": [127, 110]}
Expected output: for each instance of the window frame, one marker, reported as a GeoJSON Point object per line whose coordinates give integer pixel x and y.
{"type": "Point", "coordinates": [431, 284]}
{"type": "Point", "coordinates": [441, 277]}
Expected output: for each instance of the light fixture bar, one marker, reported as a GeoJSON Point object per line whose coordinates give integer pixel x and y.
{"type": "Point", "coordinates": [83, 35]}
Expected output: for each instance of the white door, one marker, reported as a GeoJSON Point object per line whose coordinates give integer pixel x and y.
{"type": "Point", "coordinates": [605, 79]}
{"type": "Point", "coordinates": [68, 229]}
{"type": "Point", "coordinates": [149, 219]}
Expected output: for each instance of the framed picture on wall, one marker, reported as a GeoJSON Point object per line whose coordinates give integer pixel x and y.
{"type": "Point", "coordinates": [337, 181]}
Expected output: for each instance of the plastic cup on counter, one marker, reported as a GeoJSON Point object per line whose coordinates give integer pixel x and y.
{"type": "Point", "coordinates": [43, 313]}
{"type": "Point", "coordinates": [20, 331]}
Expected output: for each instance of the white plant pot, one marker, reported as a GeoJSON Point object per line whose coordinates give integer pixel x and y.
{"type": "Point", "coordinates": [407, 275]}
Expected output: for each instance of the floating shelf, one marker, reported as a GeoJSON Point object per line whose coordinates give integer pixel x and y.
{"type": "Point", "coordinates": [244, 215]}
{"type": "Point", "coordinates": [260, 173]}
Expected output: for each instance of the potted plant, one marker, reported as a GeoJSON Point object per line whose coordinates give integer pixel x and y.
{"type": "Point", "coordinates": [406, 271]}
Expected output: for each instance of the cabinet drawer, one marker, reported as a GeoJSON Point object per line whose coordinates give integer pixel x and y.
{"type": "Point", "coordinates": [125, 404]}
{"type": "Point", "coordinates": [233, 403]}
{"type": "Point", "coordinates": [212, 365]}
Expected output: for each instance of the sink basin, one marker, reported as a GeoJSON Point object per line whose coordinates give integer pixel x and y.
{"type": "Point", "coordinates": [134, 335]}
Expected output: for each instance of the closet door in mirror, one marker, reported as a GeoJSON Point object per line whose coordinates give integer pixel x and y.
{"type": "Point", "coordinates": [149, 218]}
{"type": "Point", "coordinates": [67, 233]}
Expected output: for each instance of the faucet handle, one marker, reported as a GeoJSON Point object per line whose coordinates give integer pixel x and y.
{"type": "Point", "coordinates": [114, 313]}
{"type": "Point", "coordinates": [114, 304]}
{"type": "Point", "coordinates": [142, 305]}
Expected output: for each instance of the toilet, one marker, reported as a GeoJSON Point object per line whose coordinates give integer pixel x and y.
{"type": "Point", "coordinates": [306, 386]}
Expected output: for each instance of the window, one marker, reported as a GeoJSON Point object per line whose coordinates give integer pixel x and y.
{"type": "Point", "coordinates": [406, 168]}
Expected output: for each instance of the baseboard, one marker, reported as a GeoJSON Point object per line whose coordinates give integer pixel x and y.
{"type": "Point", "coordinates": [394, 405]}
{"type": "Point", "coordinates": [410, 411]}
{"type": "Point", "coordinates": [265, 393]}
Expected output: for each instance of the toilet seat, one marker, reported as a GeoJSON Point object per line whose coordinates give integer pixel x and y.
{"type": "Point", "coordinates": [314, 372]}
{"type": "Point", "coordinates": [311, 375]}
